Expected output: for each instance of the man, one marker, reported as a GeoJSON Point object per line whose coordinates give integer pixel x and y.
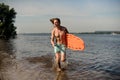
{"type": "Point", "coordinates": [58, 41]}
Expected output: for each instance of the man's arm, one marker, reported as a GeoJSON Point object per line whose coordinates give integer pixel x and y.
{"type": "Point", "coordinates": [52, 38]}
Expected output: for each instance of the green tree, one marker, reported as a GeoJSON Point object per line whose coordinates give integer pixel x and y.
{"type": "Point", "coordinates": [7, 19]}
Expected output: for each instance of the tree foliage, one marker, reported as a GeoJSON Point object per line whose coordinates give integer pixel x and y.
{"type": "Point", "coordinates": [7, 19]}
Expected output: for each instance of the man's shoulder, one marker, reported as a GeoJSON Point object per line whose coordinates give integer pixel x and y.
{"type": "Point", "coordinates": [63, 27]}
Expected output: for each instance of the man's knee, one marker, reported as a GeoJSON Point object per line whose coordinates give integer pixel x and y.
{"type": "Point", "coordinates": [63, 59]}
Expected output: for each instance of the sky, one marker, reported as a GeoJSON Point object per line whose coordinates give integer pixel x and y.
{"type": "Point", "coordinates": [76, 15]}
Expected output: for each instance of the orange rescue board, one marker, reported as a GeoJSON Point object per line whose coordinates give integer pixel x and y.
{"type": "Point", "coordinates": [74, 42]}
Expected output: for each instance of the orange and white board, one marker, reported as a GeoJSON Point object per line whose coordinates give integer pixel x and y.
{"type": "Point", "coordinates": [74, 42]}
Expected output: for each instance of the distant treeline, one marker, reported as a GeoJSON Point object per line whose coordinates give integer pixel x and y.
{"type": "Point", "coordinates": [101, 32]}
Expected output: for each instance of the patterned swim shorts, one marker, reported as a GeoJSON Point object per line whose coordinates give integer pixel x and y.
{"type": "Point", "coordinates": [59, 48]}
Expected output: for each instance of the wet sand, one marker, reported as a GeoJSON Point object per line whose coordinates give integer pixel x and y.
{"type": "Point", "coordinates": [40, 68]}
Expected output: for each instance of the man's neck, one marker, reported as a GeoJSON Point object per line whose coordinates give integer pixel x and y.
{"type": "Point", "coordinates": [58, 27]}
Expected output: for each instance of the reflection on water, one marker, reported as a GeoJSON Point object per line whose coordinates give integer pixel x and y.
{"type": "Point", "coordinates": [61, 76]}
{"type": "Point", "coordinates": [6, 46]}
{"type": "Point", "coordinates": [6, 50]}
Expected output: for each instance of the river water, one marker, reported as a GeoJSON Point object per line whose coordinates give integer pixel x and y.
{"type": "Point", "coordinates": [29, 57]}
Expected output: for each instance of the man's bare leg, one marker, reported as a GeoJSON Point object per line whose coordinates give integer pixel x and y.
{"type": "Point", "coordinates": [63, 60]}
{"type": "Point", "coordinates": [63, 57]}
{"type": "Point", "coordinates": [58, 56]}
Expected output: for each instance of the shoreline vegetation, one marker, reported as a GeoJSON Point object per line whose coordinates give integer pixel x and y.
{"type": "Point", "coordinates": [7, 20]}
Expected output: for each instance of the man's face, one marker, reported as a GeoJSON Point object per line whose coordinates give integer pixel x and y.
{"type": "Point", "coordinates": [56, 23]}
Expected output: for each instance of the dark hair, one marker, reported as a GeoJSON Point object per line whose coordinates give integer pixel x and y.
{"type": "Point", "coordinates": [52, 20]}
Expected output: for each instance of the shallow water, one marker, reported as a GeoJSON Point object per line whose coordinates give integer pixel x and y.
{"type": "Point", "coordinates": [29, 57]}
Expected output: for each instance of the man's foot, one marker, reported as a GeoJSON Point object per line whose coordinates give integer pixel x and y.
{"type": "Point", "coordinates": [64, 65]}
